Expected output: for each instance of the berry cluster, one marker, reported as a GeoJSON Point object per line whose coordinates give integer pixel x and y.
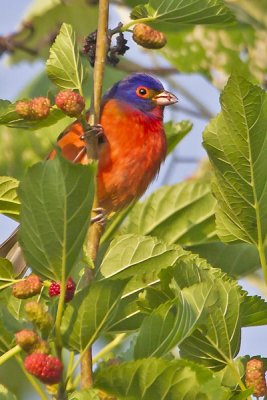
{"type": "Point", "coordinates": [35, 109]}
{"type": "Point", "coordinates": [54, 289]}
{"type": "Point", "coordinates": [113, 52]}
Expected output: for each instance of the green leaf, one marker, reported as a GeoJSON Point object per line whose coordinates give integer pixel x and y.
{"type": "Point", "coordinates": [217, 341]}
{"type": "Point", "coordinates": [56, 199]}
{"type": "Point", "coordinates": [162, 380]}
{"type": "Point", "coordinates": [236, 144]}
{"type": "Point", "coordinates": [139, 257]}
{"type": "Point", "coordinates": [6, 273]}
{"type": "Point", "coordinates": [86, 394]}
{"type": "Point", "coordinates": [175, 132]}
{"type": "Point", "coordinates": [253, 311]}
{"type": "Point", "coordinates": [90, 313]}
{"type": "Point", "coordinates": [5, 394]}
{"type": "Point", "coordinates": [142, 259]}
{"type": "Point", "coordinates": [184, 11]}
{"type": "Point", "coordinates": [237, 259]}
{"type": "Point", "coordinates": [7, 112]}
{"type": "Point", "coordinates": [226, 375]}
{"type": "Point", "coordinates": [9, 202]}
{"type": "Point", "coordinates": [183, 213]}
{"type": "Point", "coordinates": [64, 66]}
{"type": "Point", "coordinates": [169, 324]}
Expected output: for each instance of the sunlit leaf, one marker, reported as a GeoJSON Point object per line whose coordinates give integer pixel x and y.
{"type": "Point", "coordinates": [182, 213]}
{"type": "Point", "coordinates": [184, 11]}
{"type": "Point", "coordinates": [217, 341]}
{"type": "Point", "coordinates": [236, 142]}
{"type": "Point", "coordinates": [64, 66]}
{"type": "Point", "coordinates": [162, 380]}
{"type": "Point", "coordinates": [175, 132]}
{"type": "Point", "coordinates": [9, 202]}
{"type": "Point", "coordinates": [169, 324]}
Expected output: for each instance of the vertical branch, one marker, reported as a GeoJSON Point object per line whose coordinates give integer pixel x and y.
{"type": "Point", "coordinates": [96, 229]}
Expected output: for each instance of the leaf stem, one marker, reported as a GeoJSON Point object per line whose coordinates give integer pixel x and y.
{"type": "Point", "coordinates": [262, 259]}
{"type": "Point", "coordinates": [110, 346]}
{"type": "Point", "coordinates": [136, 21]}
{"type": "Point", "coordinates": [237, 376]}
{"type": "Point", "coordinates": [9, 354]}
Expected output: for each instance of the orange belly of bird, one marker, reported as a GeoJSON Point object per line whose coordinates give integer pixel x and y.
{"type": "Point", "coordinates": [130, 157]}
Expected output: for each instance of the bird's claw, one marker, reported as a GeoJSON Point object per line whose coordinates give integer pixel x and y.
{"type": "Point", "coordinates": [94, 130]}
{"type": "Point", "coordinates": [101, 217]}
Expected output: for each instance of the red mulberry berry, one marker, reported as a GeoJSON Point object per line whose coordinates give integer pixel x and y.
{"type": "Point", "coordinates": [54, 289]}
{"type": "Point", "coordinates": [70, 103]}
{"type": "Point", "coordinates": [46, 368]}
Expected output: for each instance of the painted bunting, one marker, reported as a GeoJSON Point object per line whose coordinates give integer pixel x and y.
{"type": "Point", "coordinates": [133, 145]}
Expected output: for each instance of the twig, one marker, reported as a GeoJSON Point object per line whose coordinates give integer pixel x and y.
{"type": "Point", "coordinates": [96, 229]}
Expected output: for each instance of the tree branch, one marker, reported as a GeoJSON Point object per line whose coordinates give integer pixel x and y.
{"type": "Point", "coordinates": [96, 229]}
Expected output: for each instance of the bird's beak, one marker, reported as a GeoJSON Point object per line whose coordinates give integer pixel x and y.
{"type": "Point", "coordinates": [165, 98]}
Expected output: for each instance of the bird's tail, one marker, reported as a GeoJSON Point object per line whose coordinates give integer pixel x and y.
{"type": "Point", "coordinates": [11, 250]}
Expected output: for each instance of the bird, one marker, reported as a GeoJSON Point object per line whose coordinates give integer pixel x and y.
{"type": "Point", "coordinates": [132, 147]}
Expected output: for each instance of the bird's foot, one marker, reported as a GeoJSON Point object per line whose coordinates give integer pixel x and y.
{"type": "Point", "coordinates": [101, 217]}
{"type": "Point", "coordinates": [94, 130]}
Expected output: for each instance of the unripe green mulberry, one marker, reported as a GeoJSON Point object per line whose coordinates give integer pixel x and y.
{"type": "Point", "coordinates": [39, 316]}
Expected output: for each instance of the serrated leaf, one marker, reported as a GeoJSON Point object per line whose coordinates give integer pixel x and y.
{"type": "Point", "coordinates": [9, 202]}
{"type": "Point", "coordinates": [142, 259]}
{"type": "Point", "coordinates": [5, 394]}
{"type": "Point", "coordinates": [138, 257]}
{"type": "Point", "coordinates": [182, 213]}
{"type": "Point", "coordinates": [90, 313]}
{"type": "Point", "coordinates": [64, 66]}
{"type": "Point", "coordinates": [175, 132]}
{"type": "Point", "coordinates": [237, 259]}
{"type": "Point", "coordinates": [236, 142]}
{"type": "Point", "coordinates": [184, 11]}
{"type": "Point", "coordinates": [169, 324]}
{"type": "Point", "coordinates": [161, 379]}
{"type": "Point", "coordinates": [56, 199]}
{"type": "Point", "coordinates": [217, 342]}
{"type": "Point", "coordinates": [253, 311]}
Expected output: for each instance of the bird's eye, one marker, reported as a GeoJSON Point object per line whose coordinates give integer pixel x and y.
{"type": "Point", "coordinates": [142, 91]}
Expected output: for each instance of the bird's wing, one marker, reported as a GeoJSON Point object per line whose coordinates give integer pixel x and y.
{"type": "Point", "coordinates": [70, 142]}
